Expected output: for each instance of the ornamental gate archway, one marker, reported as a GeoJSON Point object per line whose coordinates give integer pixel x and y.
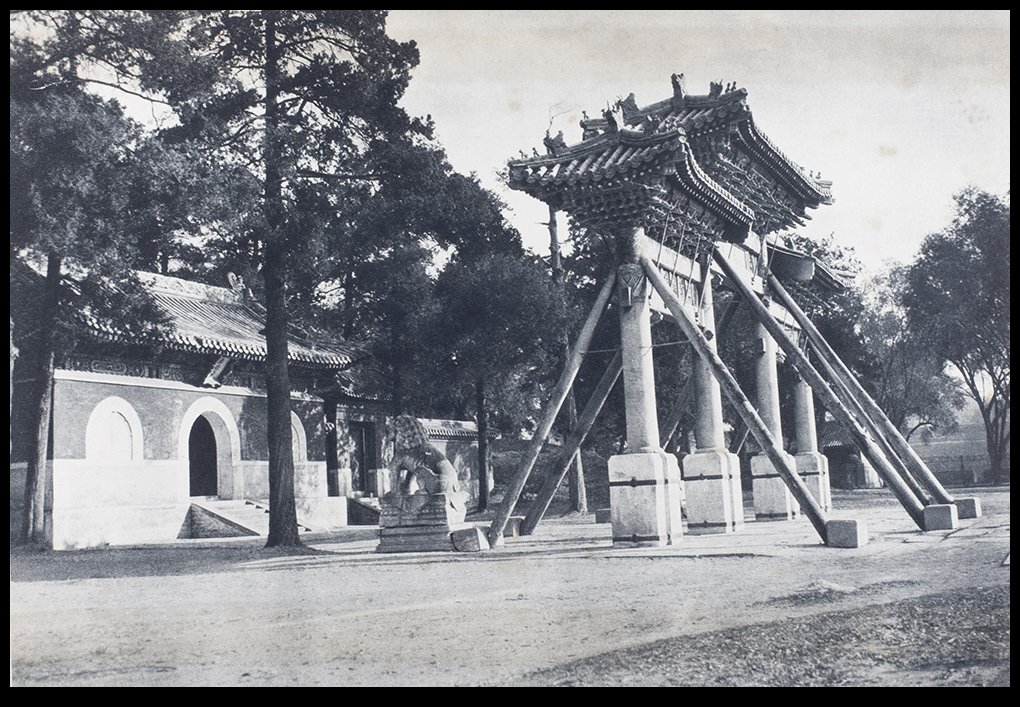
{"type": "Point", "coordinates": [685, 192]}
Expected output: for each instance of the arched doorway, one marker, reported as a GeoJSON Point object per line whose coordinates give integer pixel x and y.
{"type": "Point", "coordinates": [209, 447]}
{"type": "Point", "coordinates": [202, 459]}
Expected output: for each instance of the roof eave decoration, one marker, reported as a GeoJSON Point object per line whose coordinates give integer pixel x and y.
{"type": "Point", "coordinates": [723, 105]}
{"type": "Point", "coordinates": [646, 160]}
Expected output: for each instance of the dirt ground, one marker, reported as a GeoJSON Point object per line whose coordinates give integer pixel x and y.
{"type": "Point", "coordinates": [768, 606]}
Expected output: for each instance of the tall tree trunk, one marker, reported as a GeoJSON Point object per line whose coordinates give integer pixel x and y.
{"type": "Point", "coordinates": [33, 527]}
{"type": "Point", "coordinates": [14, 357]}
{"type": "Point", "coordinates": [283, 529]}
{"type": "Point", "coordinates": [575, 476]}
{"type": "Point", "coordinates": [483, 445]}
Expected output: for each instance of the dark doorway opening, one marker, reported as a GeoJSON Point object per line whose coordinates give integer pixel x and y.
{"type": "Point", "coordinates": [202, 459]}
{"type": "Point", "coordinates": [363, 456]}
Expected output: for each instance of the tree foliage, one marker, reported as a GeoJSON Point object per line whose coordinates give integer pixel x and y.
{"type": "Point", "coordinates": [957, 300]}
{"type": "Point", "coordinates": [910, 380]}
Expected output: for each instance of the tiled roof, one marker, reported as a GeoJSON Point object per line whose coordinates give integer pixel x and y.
{"type": "Point", "coordinates": [700, 114]}
{"type": "Point", "coordinates": [636, 163]}
{"type": "Point", "coordinates": [703, 153]}
{"type": "Point", "coordinates": [216, 320]}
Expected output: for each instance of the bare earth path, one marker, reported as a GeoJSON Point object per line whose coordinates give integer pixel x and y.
{"type": "Point", "coordinates": [766, 607]}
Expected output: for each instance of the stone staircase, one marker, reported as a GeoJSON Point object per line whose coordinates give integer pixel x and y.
{"type": "Point", "coordinates": [239, 517]}
{"type": "Point", "coordinates": [363, 510]}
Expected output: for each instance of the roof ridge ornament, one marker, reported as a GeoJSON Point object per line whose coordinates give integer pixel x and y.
{"type": "Point", "coordinates": [554, 145]}
{"type": "Point", "coordinates": [715, 89]}
{"type": "Point", "coordinates": [628, 106]}
{"type": "Point", "coordinates": [614, 119]}
{"type": "Point", "coordinates": [679, 87]}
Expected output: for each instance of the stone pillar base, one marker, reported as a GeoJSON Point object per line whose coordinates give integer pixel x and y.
{"type": "Point", "coordinates": [708, 482]}
{"type": "Point", "coordinates": [969, 507]}
{"type": "Point", "coordinates": [813, 468]}
{"type": "Point", "coordinates": [940, 516]}
{"type": "Point", "coordinates": [772, 500]}
{"type": "Point", "coordinates": [674, 499]}
{"type": "Point", "coordinates": [846, 533]}
{"type": "Point", "coordinates": [642, 504]}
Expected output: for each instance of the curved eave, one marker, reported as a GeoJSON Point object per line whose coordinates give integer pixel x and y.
{"type": "Point", "coordinates": [814, 192]}
{"type": "Point", "coordinates": [605, 157]}
{"type": "Point", "coordinates": [617, 155]}
{"type": "Point", "coordinates": [710, 193]}
{"type": "Point", "coordinates": [220, 347]}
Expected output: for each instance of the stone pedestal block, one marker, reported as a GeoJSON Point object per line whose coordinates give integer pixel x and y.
{"type": "Point", "coordinates": [420, 522]}
{"type": "Point", "coordinates": [674, 499]}
{"type": "Point", "coordinates": [969, 507]}
{"type": "Point", "coordinates": [772, 500]}
{"type": "Point", "coordinates": [813, 469]}
{"type": "Point", "coordinates": [941, 516]}
{"type": "Point", "coordinates": [846, 533]}
{"type": "Point", "coordinates": [469, 540]}
{"type": "Point", "coordinates": [708, 482]}
{"type": "Point", "coordinates": [640, 499]}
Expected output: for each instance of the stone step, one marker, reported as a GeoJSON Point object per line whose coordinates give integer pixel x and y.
{"type": "Point", "coordinates": [248, 514]}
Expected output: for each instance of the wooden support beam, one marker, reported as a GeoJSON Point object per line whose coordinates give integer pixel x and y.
{"type": "Point", "coordinates": [732, 390]}
{"type": "Point", "coordinates": [799, 360]}
{"type": "Point", "coordinates": [572, 445]}
{"type": "Point", "coordinates": [552, 409]}
{"type": "Point", "coordinates": [854, 405]}
{"type": "Point", "coordinates": [825, 352]}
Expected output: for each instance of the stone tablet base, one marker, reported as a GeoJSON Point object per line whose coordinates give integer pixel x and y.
{"type": "Point", "coordinates": [645, 511]}
{"type": "Point", "coordinates": [708, 482]}
{"type": "Point", "coordinates": [968, 507]}
{"type": "Point", "coordinates": [772, 500]}
{"type": "Point", "coordinates": [813, 469]}
{"type": "Point", "coordinates": [421, 522]}
{"type": "Point", "coordinates": [418, 539]}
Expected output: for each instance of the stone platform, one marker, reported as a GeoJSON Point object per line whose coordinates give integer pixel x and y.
{"type": "Point", "coordinates": [421, 522]}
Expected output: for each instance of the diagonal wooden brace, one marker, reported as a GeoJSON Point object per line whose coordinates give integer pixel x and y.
{"type": "Point", "coordinates": [732, 390]}
{"type": "Point", "coordinates": [573, 444]}
{"type": "Point", "coordinates": [825, 352]}
{"type": "Point", "coordinates": [552, 409]}
{"type": "Point", "coordinates": [798, 358]}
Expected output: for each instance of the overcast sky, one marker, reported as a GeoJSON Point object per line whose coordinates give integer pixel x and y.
{"type": "Point", "coordinates": [899, 109]}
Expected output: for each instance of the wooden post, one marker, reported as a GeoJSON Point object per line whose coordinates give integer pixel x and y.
{"type": "Point", "coordinates": [826, 353]}
{"type": "Point", "coordinates": [572, 445]}
{"type": "Point", "coordinates": [559, 395]}
{"type": "Point", "coordinates": [731, 388]}
{"type": "Point", "coordinates": [832, 403]}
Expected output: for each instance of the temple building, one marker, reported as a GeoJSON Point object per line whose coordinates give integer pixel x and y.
{"type": "Point", "coordinates": [152, 441]}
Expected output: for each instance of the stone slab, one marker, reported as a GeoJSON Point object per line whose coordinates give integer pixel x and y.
{"type": "Point", "coordinates": [940, 516]}
{"type": "Point", "coordinates": [968, 507]}
{"type": "Point", "coordinates": [412, 510]}
{"type": "Point", "coordinates": [674, 500]}
{"type": "Point", "coordinates": [638, 497]}
{"type": "Point", "coordinates": [772, 499]}
{"type": "Point", "coordinates": [418, 539]}
{"type": "Point", "coordinates": [708, 485]}
{"type": "Point", "coordinates": [469, 540]}
{"type": "Point", "coordinates": [813, 469]}
{"type": "Point", "coordinates": [846, 533]}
